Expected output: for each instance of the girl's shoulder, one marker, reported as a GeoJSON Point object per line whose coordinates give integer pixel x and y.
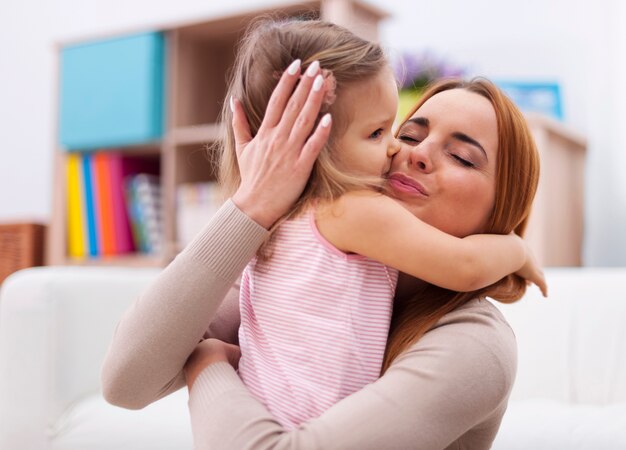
{"type": "Point", "coordinates": [359, 221]}
{"type": "Point", "coordinates": [353, 203]}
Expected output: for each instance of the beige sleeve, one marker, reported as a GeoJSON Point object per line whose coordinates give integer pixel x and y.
{"type": "Point", "coordinates": [156, 335]}
{"type": "Point", "coordinates": [448, 391]}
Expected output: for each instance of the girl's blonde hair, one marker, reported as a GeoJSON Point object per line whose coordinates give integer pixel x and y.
{"type": "Point", "coordinates": [517, 175]}
{"type": "Point", "coordinates": [266, 50]}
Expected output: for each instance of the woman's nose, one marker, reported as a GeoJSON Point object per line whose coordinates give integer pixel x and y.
{"type": "Point", "coordinates": [419, 158]}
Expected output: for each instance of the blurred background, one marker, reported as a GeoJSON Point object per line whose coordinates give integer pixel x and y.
{"type": "Point", "coordinates": [75, 73]}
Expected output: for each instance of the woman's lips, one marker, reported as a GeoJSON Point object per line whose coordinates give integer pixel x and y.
{"type": "Point", "coordinates": [401, 183]}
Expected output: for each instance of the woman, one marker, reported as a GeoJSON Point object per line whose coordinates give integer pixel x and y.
{"type": "Point", "coordinates": [449, 369]}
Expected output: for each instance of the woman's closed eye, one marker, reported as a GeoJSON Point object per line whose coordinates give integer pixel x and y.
{"type": "Point", "coordinates": [409, 139]}
{"type": "Point", "coordinates": [464, 162]}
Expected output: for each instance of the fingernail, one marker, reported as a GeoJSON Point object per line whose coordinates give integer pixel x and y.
{"type": "Point", "coordinates": [325, 120]}
{"type": "Point", "coordinates": [313, 68]}
{"type": "Point", "coordinates": [232, 104]}
{"type": "Point", "coordinates": [293, 67]}
{"type": "Point", "coordinates": [318, 83]}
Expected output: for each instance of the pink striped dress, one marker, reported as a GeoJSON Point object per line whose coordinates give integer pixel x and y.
{"type": "Point", "coordinates": [314, 322]}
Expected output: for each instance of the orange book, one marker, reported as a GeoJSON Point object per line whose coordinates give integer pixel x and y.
{"type": "Point", "coordinates": [105, 197]}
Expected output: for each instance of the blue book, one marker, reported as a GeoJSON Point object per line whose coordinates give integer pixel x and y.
{"type": "Point", "coordinates": [89, 206]}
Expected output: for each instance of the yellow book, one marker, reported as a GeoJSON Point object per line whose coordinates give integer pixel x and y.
{"type": "Point", "coordinates": [75, 213]}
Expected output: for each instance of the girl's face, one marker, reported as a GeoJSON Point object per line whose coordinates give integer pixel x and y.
{"type": "Point", "coordinates": [368, 143]}
{"type": "Point", "coordinates": [445, 171]}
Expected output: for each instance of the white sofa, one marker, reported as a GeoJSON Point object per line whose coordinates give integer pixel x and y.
{"type": "Point", "coordinates": [56, 324]}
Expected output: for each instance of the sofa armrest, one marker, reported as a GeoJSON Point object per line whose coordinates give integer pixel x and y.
{"type": "Point", "coordinates": [55, 326]}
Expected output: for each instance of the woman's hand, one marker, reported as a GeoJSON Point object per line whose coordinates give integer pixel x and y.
{"type": "Point", "coordinates": [206, 353]}
{"type": "Point", "coordinates": [275, 165]}
{"type": "Point", "coordinates": [531, 271]}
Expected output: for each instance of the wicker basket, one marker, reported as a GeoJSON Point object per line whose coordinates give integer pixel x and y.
{"type": "Point", "coordinates": [21, 246]}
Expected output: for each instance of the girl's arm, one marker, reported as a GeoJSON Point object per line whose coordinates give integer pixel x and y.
{"type": "Point", "coordinates": [455, 379]}
{"type": "Point", "coordinates": [162, 327]}
{"type": "Point", "coordinates": [378, 227]}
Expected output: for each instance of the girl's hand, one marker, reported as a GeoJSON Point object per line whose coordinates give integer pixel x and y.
{"type": "Point", "coordinates": [275, 165]}
{"type": "Point", "coordinates": [531, 271]}
{"type": "Point", "coordinates": [206, 353]}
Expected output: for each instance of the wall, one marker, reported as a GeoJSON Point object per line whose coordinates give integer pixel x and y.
{"type": "Point", "coordinates": [582, 47]}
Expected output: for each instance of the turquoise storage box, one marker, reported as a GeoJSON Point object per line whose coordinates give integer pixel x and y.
{"type": "Point", "coordinates": [112, 92]}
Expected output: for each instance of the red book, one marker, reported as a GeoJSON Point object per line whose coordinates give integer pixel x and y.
{"type": "Point", "coordinates": [105, 200]}
{"type": "Point", "coordinates": [123, 236]}
{"type": "Point", "coordinates": [121, 167]}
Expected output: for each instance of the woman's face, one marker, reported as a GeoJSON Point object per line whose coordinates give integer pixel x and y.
{"type": "Point", "coordinates": [445, 170]}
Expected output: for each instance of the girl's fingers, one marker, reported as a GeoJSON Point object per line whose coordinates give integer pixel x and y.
{"type": "Point", "coordinates": [306, 119]}
{"type": "Point", "coordinates": [280, 96]}
{"type": "Point", "coordinates": [241, 128]}
{"type": "Point", "coordinates": [298, 99]}
{"type": "Point", "coordinates": [315, 143]}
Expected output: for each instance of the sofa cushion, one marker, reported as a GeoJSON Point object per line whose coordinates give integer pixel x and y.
{"type": "Point", "coordinates": [548, 424]}
{"type": "Point", "coordinates": [571, 346]}
{"type": "Point", "coordinates": [93, 424]}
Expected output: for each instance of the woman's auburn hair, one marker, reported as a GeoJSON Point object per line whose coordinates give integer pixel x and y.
{"type": "Point", "coordinates": [517, 176]}
{"type": "Point", "coordinates": [267, 48]}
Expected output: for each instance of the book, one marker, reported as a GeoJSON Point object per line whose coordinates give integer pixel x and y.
{"type": "Point", "coordinates": [91, 210]}
{"type": "Point", "coordinates": [75, 212]}
{"type": "Point", "coordinates": [102, 178]}
{"type": "Point", "coordinates": [143, 194]}
{"type": "Point", "coordinates": [98, 214]}
{"type": "Point", "coordinates": [123, 236]}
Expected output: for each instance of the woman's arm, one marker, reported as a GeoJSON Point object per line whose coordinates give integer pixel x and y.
{"type": "Point", "coordinates": [356, 221]}
{"type": "Point", "coordinates": [452, 384]}
{"type": "Point", "coordinates": [160, 330]}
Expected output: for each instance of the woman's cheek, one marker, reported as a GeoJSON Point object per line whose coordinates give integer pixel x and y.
{"type": "Point", "coordinates": [470, 186]}
{"type": "Point", "coordinates": [469, 199]}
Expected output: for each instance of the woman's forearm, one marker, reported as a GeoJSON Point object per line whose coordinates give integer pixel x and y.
{"type": "Point", "coordinates": [455, 379]}
{"type": "Point", "coordinates": [159, 331]}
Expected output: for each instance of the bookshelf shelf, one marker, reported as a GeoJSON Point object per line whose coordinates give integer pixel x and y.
{"type": "Point", "coordinates": [196, 134]}
{"type": "Point", "coordinates": [149, 149]}
{"type": "Point", "coordinates": [194, 62]}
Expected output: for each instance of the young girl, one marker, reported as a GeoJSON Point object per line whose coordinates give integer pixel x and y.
{"type": "Point", "coordinates": [316, 302]}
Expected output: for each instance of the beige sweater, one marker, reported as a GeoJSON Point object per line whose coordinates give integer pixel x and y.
{"type": "Point", "coordinates": [448, 391]}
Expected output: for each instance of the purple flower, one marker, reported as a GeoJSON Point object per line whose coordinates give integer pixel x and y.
{"type": "Point", "coordinates": [416, 70]}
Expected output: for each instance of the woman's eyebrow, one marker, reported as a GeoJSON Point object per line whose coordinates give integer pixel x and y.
{"type": "Point", "coordinates": [422, 121]}
{"type": "Point", "coordinates": [465, 138]}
